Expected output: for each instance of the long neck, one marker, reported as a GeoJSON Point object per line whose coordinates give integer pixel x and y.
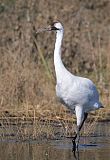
{"type": "Point", "coordinates": [59, 67]}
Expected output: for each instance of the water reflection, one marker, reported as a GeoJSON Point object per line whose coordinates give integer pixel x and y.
{"type": "Point", "coordinates": [91, 148]}
{"type": "Point", "coordinates": [99, 149]}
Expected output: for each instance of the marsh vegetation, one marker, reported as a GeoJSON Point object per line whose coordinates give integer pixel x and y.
{"type": "Point", "coordinates": [27, 78]}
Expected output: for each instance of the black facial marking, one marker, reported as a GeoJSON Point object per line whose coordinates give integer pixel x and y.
{"type": "Point", "coordinates": [53, 26]}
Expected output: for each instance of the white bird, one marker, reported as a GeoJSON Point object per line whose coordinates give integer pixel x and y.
{"type": "Point", "coordinates": [77, 93]}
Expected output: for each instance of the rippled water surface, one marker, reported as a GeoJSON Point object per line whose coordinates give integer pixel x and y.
{"type": "Point", "coordinates": [90, 148]}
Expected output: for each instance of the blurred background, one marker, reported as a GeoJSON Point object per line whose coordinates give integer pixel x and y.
{"type": "Point", "coordinates": [27, 78]}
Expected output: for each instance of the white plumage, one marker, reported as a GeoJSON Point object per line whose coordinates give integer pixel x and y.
{"type": "Point", "coordinates": [76, 93]}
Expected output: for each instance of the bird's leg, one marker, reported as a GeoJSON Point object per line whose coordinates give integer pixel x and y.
{"type": "Point", "coordinates": [76, 139]}
{"type": "Point", "coordinates": [78, 136]}
{"type": "Point", "coordinates": [79, 128]}
{"type": "Point", "coordinates": [85, 117]}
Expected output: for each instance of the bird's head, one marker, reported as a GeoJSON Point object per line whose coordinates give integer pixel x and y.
{"type": "Point", "coordinates": [54, 26]}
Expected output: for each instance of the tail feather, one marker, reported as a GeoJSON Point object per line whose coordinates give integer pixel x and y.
{"type": "Point", "coordinates": [98, 105]}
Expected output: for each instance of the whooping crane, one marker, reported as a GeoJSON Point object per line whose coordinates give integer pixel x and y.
{"type": "Point", "coordinates": [77, 93]}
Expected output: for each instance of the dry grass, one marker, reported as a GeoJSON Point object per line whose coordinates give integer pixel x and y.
{"type": "Point", "coordinates": [36, 125]}
{"type": "Point", "coordinates": [27, 80]}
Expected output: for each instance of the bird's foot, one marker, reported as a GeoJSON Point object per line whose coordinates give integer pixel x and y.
{"type": "Point", "coordinates": [75, 145]}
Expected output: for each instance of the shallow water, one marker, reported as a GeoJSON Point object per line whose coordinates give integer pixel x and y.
{"type": "Point", "coordinates": [96, 147]}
